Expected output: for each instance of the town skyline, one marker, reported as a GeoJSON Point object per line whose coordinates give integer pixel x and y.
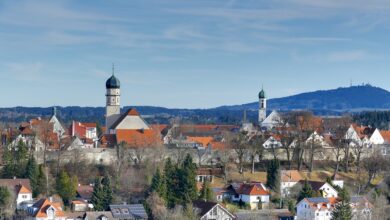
{"type": "Point", "coordinates": [199, 54]}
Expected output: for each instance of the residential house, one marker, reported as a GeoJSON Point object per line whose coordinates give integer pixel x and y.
{"type": "Point", "coordinates": [321, 208]}
{"type": "Point", "coordinates": [84, 135]}
{"type": "Point", "coordinates": [22, 190]}
{"type": "Point", "coordinates": [325, 188]}
{"type": "Point", "coordinates": [44, 209]}
{"type": "Point", "coordinates": [274, 141]}
{"type": "Point", "coordinates": [211, 211]}
{"type": "Point", "coordinates": [255, 194]}
{"type": "Point", "coordinates": [315, 208]}
{"type": "Point", "coordinates": [289, 178]}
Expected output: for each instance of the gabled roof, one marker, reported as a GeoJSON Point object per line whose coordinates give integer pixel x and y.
{"type": "Point", "coordinates": [322, 203]}
{"type": "Point", "coordinates": [253, 189]}
{"type": "Point", "coordinates": [386, 136]}
{"type": "Point", "coordinates": [134, 118]}
{"type": "Point", "coordinates": [205, 141]}
{"type": "Point", "coordinates": [315, 185]}
{"type": "Point", "coordinates": [43, 204]}
{"type": "Point", "coordinates": [16, 185]}
{"type": "Point", "coordinates": [204, 207]}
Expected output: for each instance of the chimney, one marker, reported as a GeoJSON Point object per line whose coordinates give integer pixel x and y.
{"type": "Point", "coordinates": [50, 199]}
{"type": "Point", "coordinates": [14, 177]}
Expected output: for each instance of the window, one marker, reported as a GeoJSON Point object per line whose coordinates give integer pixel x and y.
{"type": "Point", "coordinates": [214, 211]}
{"type": "Point", "coordinates": [24, 196]}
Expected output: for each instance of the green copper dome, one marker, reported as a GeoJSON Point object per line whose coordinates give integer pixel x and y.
{"type": "Point", "coordinates": [262, 94]}
{"type": "Point", "coordinates": [113, 83]}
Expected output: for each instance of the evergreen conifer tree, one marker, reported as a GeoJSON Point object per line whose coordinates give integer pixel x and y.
{"type": "Point", "coordinates": [107, 193]}
{"type": "Point", "coordinates": [32, 173]}
{"type": "Point", "coordinates": [66, 187]}
{"type": "Point", "coordinates": [98, 196]}
{"type": "Point", "coordinates": [188, 180]}
{"type": "Point", "coordinates": [343, 210]}
{"type": "Point", "coordinates": [306, 192]}
{"type": "Point", "coordinates": [273, 175]}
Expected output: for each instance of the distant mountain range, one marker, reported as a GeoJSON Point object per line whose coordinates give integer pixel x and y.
{"type": "Point", "coordinates": [348, 99]}
{"type": "Point", "coordinates": [325, 102]}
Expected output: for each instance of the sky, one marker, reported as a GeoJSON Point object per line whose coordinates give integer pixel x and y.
{"type": "Point", "coordinates": [188, 54]}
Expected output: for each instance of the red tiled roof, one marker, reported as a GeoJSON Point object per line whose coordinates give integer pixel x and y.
{"type": "Point", "coordinates": [133, 112]}
{"type": "Point", "coordinates": [138, 138]}
{"type": "Point", "coordinates": [43, 204]}
{"type": "Point", "coordinates": [252, 189]}
{"type": "Point", "coordinates": [205, 141]}
{"type": "Point", "coordinates": [386, 136]}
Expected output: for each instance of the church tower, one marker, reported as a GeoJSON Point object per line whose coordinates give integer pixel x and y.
{"type": "Point", "coordinates": [262, 106]}
{"type": "Point", "coordinates": [113, 107]}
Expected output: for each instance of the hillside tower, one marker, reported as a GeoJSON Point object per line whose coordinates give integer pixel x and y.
{"type": "Point", "coordinates": [113, 107]}
{"type": "Point", "coordinates": [262, 106]}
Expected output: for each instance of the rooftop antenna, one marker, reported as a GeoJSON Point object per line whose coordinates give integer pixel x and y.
{"type": "Point", "coordinates": [244, 116]}
{"type": "Point", "coordinates": [350, 82]}
{"type": "Point", "coordinates": [113, 69]}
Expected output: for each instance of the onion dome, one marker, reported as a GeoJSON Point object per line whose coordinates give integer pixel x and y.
{"type": "Point", "coordinates": [262, 94]}
{"type": "Point", "coordinates": [113, 83]}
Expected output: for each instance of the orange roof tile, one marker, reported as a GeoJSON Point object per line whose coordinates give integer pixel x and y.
{"type": "Point", "coordinates": [24, 190]}
{"type": "Point", "coordinates": [138, 138]}
{"type": "Point", "coordinates": [385, 136]}
{"type": "Point", "coordinates": [253, 189]}
{"type": "Point", "coordinates": [205, 141]}
{"type": "Point", "coordinates": [43, 204]}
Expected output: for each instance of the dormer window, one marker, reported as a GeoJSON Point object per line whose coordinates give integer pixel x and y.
{"type": "Point", "coordinates": [50, 212]}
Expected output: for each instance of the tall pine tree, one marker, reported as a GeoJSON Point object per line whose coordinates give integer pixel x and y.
{"type": "Point", "coordinates": [188, 180]}
{"type": "Point", "coordinates": [107, 193]}
{"type": "Point", "coordinates": [32, 173]}
{"type": "Point", "coordinates": [66, 187]}
{"type": "Point", "coordinates": [158, 184]}
{"type": "Point", "coordinates": [273, 175]}
{"type": "Point", "coordinates": [343, 210]}
{"type": "Point", "coordinates": [306, 192]}
{"type": "Point", "coordinates": [98, 196]}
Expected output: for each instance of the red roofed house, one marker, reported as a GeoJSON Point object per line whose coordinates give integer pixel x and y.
{"type": "Point", "coordinates": [22, 190]}
{"type": "Point", "coordinates": [84, 134]}
{"type": "Point", "coordinates": [128, 127]}
{"type": "Point", "coordinates": [255, 194]}
{"type": "Point", "coordinates": [44, 209]}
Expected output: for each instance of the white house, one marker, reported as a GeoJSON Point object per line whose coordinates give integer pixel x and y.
{"type": "Point", "coordinates": [316, 208]}
{"type": "Point", "coordinates": [327, 190]}
{"type": "Point", "coordinates": [22, 190]}
{"type": "Point", "coordinates": [255, 194]}
{"type": "Point", "coordinates": [289, 178]}
{"type": "Point", "coordinates": [321, 208]}
{"type": "Point", "coordinates": [272, 142]}
{"type": "Point", "coordinates": [211, 211]}
{"type": "Point", "coordinates": [44, 209]}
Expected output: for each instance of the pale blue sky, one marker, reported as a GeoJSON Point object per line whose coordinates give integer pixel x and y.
{"type": "Point", "coordinates": [200, 53]}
